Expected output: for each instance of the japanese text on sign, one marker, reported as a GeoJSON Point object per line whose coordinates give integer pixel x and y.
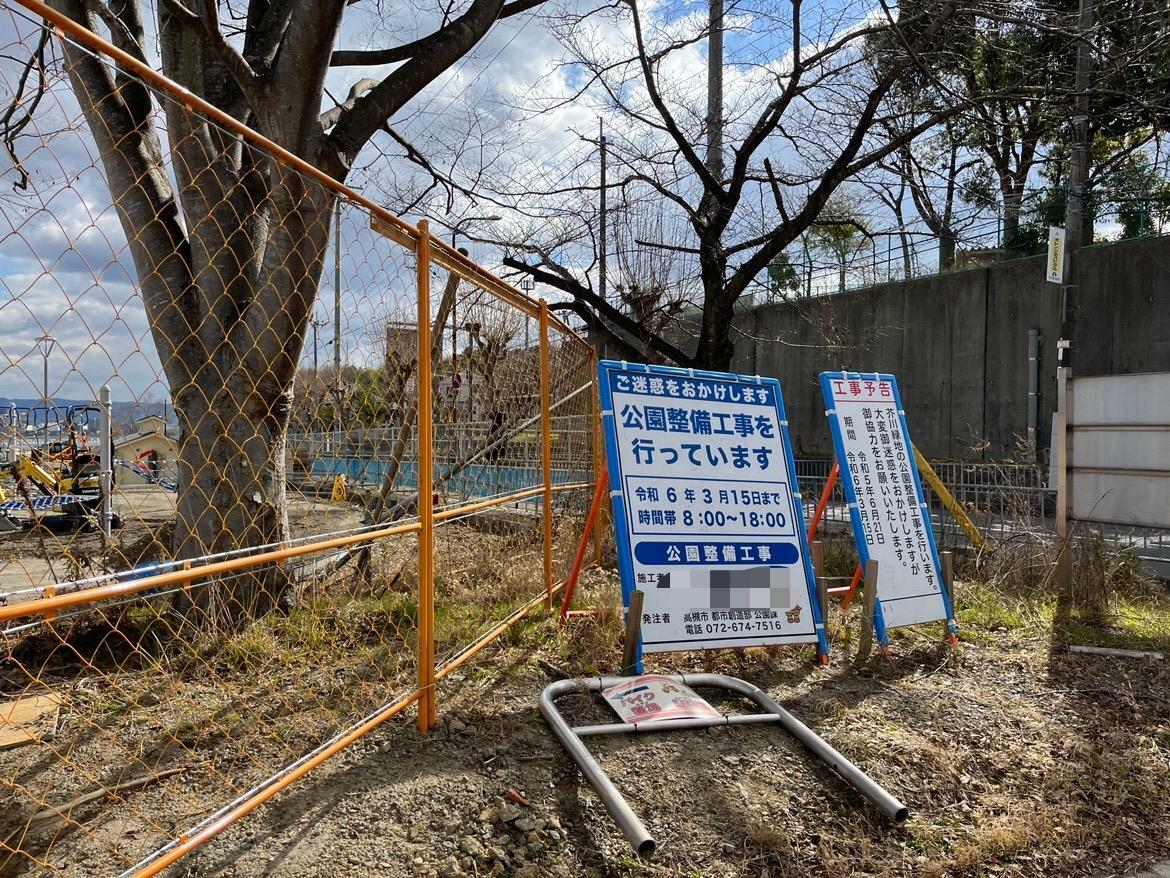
{"type": "Point", "coordinates": [886, 500]}
{"type": "Point", "coordinates": [711, 531]}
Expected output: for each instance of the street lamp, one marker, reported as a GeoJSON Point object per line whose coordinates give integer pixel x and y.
{"type": "Point", "coordinates": [45, 344]}
{"type": "Point", "coordinates": [527, 284]}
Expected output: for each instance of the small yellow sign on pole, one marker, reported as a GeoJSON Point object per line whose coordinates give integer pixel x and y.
{"type": "Point", "coordinates": [1055, 264]}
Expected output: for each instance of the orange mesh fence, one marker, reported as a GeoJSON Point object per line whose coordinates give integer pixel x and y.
{"type": "Point", "coordinates": [271, 463]}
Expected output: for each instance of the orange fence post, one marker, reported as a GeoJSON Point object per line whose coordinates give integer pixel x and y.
{"type": "Point", "coordinates": [827, 492]}
{"type": "Point", "coordinates": [579, 561]}
{"type": "Point", "coordinates": [546, 448]}
{"type": "Point", "coordinates": [426, 508]}
{"type": "Point", "coordinates": [824, 501]}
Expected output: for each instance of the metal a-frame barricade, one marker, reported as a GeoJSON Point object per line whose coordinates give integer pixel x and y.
{"type": "Point", "coordinates": [619, 809]}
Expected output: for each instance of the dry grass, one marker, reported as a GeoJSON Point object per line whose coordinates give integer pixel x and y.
{"type": "Point", "coordinates": [1015, 758]}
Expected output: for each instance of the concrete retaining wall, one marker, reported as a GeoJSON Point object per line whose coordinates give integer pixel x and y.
{"type": "Point", "coordinates": [958, 343]}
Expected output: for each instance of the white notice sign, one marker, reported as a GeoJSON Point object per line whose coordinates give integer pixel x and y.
{"type": "Point", "coordinates": [886, 505]}
{"type": "Point", "coordinates": [707, 524]}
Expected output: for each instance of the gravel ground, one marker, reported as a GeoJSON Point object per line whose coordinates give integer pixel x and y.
{"type": "Point", "coordinates": [1011, 760]}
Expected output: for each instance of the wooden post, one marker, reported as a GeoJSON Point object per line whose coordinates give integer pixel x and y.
{"type": "Point", "coordinates": [633, 631]}
{"type": "Point", "coordinates": [948, 573]}
{"type": "Point", "coordinates": [869, 602]}
{"type": "Point", "coordinates": [822, 587]}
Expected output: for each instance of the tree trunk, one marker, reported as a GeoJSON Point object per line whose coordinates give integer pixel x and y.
{"type": "Point", "coordinates": [716, 349]}
{"type": "Point", "coordinates": [946, 251]}
{"type": "Point", "coordinates": [1012, 207]}
{"type": "Point", "coordinates": [232, 493]}
{"type": "Point", "coordinates": [841, 276]}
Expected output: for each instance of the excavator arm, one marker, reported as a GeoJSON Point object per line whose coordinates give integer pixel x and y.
{"type": "Point", "coordinates": [41, 477]}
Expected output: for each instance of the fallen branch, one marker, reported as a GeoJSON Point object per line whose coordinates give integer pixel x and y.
{"type": "Point", "coordinates": [1118, 653]}
{"type": "Point", "coordinates": [61, 812]}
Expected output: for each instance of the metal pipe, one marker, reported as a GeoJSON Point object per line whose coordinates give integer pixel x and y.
{"type": "Point", "coordinates": [617, 806]}
{"type": "Point", "coordinates": [118, 589]}
{"type": "Point", "coordinates": [619, 809]}
{"type": "Point", "coordinates": [310, 544]}
{"type": "Point", "coordinates": [546, 447]}
{"type": "Point", "coordinates": [667, 725]}
{"type": "Point", "coordinates": [426, 487]}
{"type": "Point", "coordinates": [106, 476]}
{"type": "Point", "coordinates": [1033, 388]}
{"type": "Point", "coordinates": [849, 772]}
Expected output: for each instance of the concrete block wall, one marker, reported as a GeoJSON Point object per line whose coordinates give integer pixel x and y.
{"type": "Point", "coordinates": [958, 343]}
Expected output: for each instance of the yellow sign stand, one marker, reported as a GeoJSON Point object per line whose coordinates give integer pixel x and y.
{"type": "Point", "coordinates": [340, 491]}
{"type": "Point", "coordinates": [953, 506]}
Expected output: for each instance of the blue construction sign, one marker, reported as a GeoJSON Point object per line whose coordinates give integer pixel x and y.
{"type": "Point", "coordinates": [44, 504]}
{"type": "Point", "coordinates": [708, 520]}
{"type": "Point", "coordinates": [891, 521]}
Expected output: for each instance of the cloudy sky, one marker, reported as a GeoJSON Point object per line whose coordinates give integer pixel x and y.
{"type": "Point", "coordinates": [64, 265]}
{"type": "Point", "coordinates": [498, 120]}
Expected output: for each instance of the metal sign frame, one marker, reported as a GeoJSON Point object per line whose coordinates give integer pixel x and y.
{"type": "Point", "coordinates": [847, 483]}
{"type": "Point", "coordinates": [633, 829]}
{"type": "Point", "coordinates": [622, 529]}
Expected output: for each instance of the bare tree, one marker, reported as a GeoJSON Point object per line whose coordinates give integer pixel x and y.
{"type": "Point", "coordinates": [935, 172]}
{"type": "Point", "coordinates": [797, 128]}
{"type": "Point", "coordinates": [840, 233]}
{"type": "Point", "coordinates": [491, 330]}
{"type": "Point", "coordinates": [229, 256]}
{"type": "Point", "coordinates": [654, 284]}
{"type": "Point", "coordinates": [891, 192]}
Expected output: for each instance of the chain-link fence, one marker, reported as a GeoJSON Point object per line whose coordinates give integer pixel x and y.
{"type": "Point", "coordinates": [1003, 500]}
{"type": "Point", "coordinates": [336, 460]}
{"type": "Point", "coordinates": [998, 498]}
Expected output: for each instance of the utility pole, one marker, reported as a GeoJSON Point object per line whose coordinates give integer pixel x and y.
{"type": "Point", "coordinates": [1074, 222]}
{"type": "Point", "coordinates": [337, 292]}
{"type": "Point", "coordinates": [1078, 193]}
{"type": "Point", "coordinates": [337, 320]}
{"type": "Point", "coordinates": [317, 324]}
{"type": "Point", "coordinates": [715, 91]}
{"type": "Point", "coordinates": [602, 240]}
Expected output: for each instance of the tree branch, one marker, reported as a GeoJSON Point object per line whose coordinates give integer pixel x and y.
{"type": "Point", "coordinates": [207, 26]}
{"type": "Point", "coordinates": [596, 324]}
{"type": "Point", "coordinates": [604, 309]}
{"type": "Point", "coordinates": [357, 125]}
{"type": "Point", "coordinates": [398, 54]}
